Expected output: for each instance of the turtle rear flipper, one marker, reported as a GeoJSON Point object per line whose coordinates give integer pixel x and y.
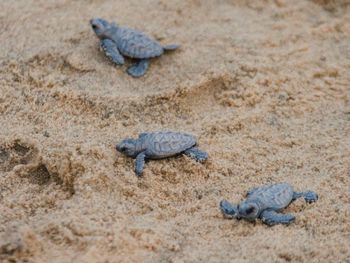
{"type": "Point", "coordinates": [309, 196]}
{"type": "Point", "coordinates": [271, 217]}
{"type": "Point", "coordinates": [171, 47]}
{"type": "Point", "coordinates": [112, 52]}
{"type": "Point", "coordinates": [196, 154]}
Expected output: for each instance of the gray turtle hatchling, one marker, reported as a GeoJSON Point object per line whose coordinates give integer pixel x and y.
{"type": "Point", "coordinates": [117, 42]}
{"type": "Point", "coordinates": [158, 145]}
{"type": "Point", "coordinates": [266, 202]}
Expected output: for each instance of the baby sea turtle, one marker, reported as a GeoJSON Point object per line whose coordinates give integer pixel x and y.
{"type": "Point", "coordinates": [157, 145]}
{"type": "Point", "coordinates": [266, 202]}
{"type": "Point", "coordinates": [117, 42]}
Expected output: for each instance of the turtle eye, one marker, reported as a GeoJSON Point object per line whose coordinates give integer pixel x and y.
{"type": "Point", "coordinates": [123, 149]}
{"type": "Point", "coordinates": [250, 210]}
{"type": "Point", "coordinates": [94, 26]}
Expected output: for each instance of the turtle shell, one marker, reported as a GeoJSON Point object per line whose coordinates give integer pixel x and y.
{"type": "Point", "coordinates": [275, 196]}
{"type": "Point", "coordinates": [167, 143]}
{"type": "Point", "coordinates": [135, 44]}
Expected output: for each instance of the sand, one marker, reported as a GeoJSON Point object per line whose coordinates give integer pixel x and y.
{"type": "Point", "coordinates": [264, 85]}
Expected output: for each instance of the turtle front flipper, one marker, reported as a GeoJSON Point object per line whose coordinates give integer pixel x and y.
{"type": "Point", "coordinates": [140, 163]}
{"type": "Point", "coordinates": [196, 154]}
{"type": "Point", "coordinates": [112, 52]}
{"type": "Point", "coordinates": [228, 210]}
{"type": "Point", "coordinates": [309, 196]}
{"type": "Point", "coordinates": [251, 191]}
{"type": "Point", "coordinates": [139, 68]}
{"type": "Point", "coordinates": [271, 217]}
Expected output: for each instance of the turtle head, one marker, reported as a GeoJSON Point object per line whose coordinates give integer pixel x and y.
{"type": "Point", "coordinates": [249, 210]}
{"type": "Point", "coordinates": [127, 147]}
{"type": "Point", "coordinates": [228, 210]}
{"type": "Point", "coordinates": [101, 27]}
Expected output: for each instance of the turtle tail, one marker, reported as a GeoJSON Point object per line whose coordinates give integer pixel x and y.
{"type": "Point", "coordinates": [170, 47]}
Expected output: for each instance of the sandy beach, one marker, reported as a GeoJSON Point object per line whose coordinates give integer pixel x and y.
{"type": "Point", "coordinates": [264, 85]}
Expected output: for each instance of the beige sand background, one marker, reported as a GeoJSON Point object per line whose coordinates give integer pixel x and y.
{"type": "Point", "coordinates": [263, 84]}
